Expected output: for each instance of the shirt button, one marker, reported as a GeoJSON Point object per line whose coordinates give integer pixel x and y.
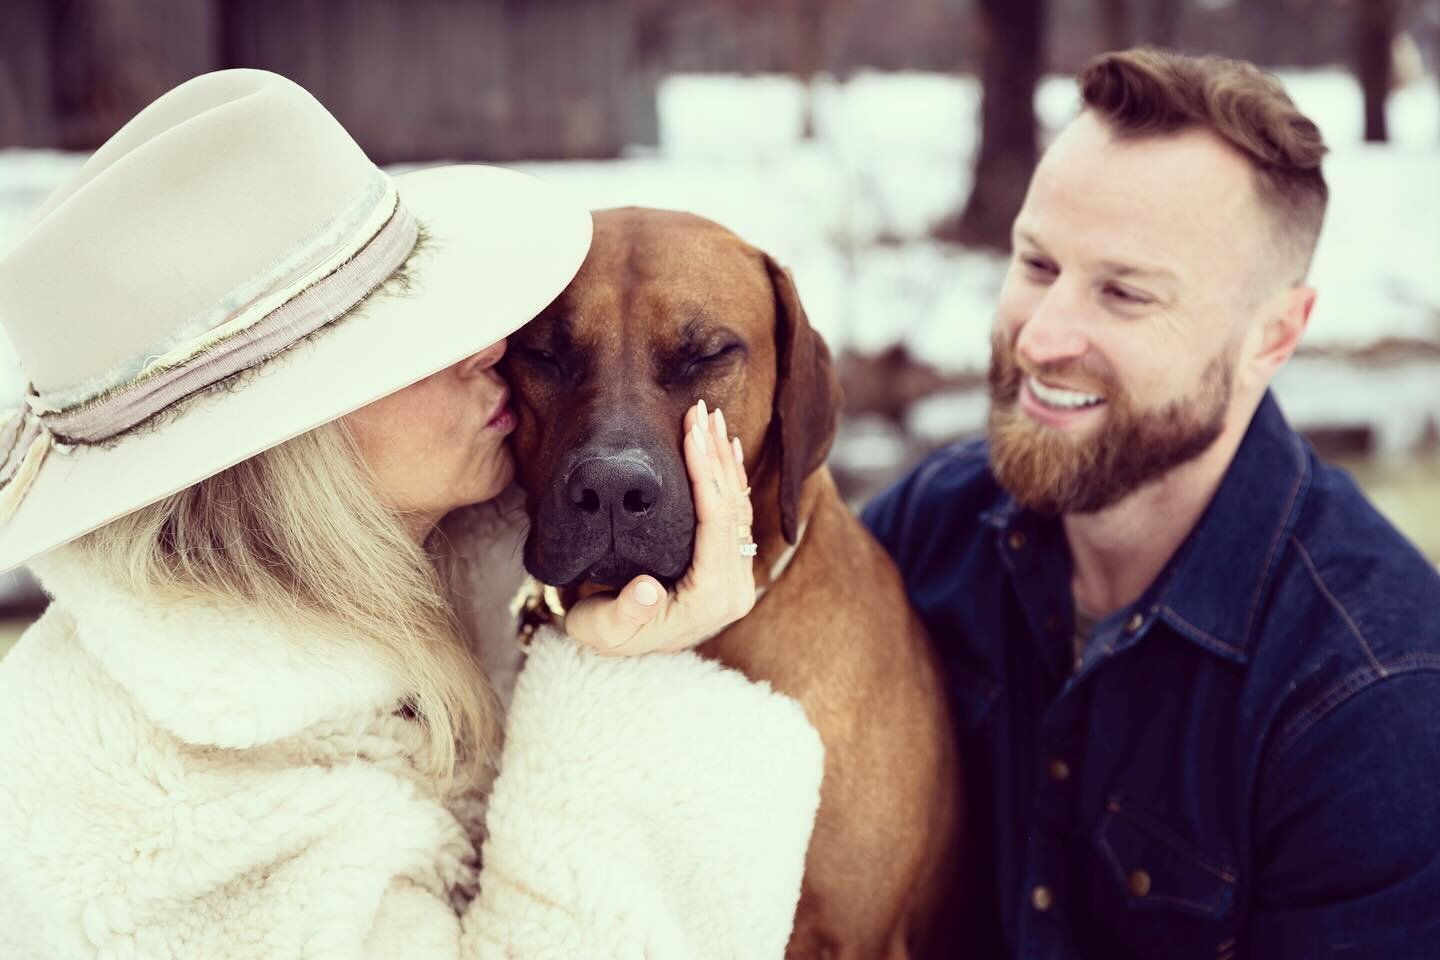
{"type": "Point", "coordinates": [1139, 882]}
{"type": "Point", "coordinates": [1017, 540]}
{"type": "Point", "coordinates": [1041, 898]}
{"type": "Point", "coordinates": [1135, 622]}
{"type": "Point", "coordinates": [1058, 769]}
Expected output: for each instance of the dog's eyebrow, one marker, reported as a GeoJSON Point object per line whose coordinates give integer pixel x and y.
{"type": "Point", "coordinates": [562, 332]}
{"type": "Point", "coordinates": [698, 326]}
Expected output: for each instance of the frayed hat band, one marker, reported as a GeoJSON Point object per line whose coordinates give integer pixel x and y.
{"type": "Point", "coordinates": [129, 405]}
{"type": "Point", "coordinates": [24, 443]}
{"type": "Point", "coordinates": [26, 437]}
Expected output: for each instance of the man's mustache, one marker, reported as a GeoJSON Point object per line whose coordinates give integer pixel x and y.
{"type": "Point", "coordinates": [1008, 370]}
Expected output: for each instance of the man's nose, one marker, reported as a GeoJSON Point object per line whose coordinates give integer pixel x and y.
{"type": "Point", "coordinates": [1053, 332]}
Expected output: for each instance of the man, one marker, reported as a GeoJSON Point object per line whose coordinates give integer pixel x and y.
{"type": "Point", "coordinates": [1197, 675]}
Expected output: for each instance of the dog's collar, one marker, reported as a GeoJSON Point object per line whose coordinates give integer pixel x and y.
{"type": "Point", "coordinates": [536, 605]}
{"type": "Point", "coordinates": [778, 567]}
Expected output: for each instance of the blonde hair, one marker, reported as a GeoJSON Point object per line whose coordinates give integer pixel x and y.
{"type": "Point", "coordinates": [1149, 91]}
{"type": "Point", "coordinates": [300, 531]}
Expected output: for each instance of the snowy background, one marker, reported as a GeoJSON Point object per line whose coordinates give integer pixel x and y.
{"type": "Point", "coordinates": [850, 211]}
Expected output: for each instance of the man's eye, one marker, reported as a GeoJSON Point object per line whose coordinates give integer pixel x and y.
{"type": "Point", "coordinates": [1126, 296]}
{"type": "Point", "coordinates": [1039, 265]}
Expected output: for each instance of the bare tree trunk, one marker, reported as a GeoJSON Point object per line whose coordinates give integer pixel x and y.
{"type": "Point", "coordinates": [1165, 30]}
{"type": "Point", "coordinates": [813, 36]}
{"type": "Point", "coordinates": [27, 75]}
{"type": "Point", "coordinates": [1374, 33]}
{"type": "Point", "coordinates": [1114, 17]}
{"type": "Point", "coordinates": [1010, 35]}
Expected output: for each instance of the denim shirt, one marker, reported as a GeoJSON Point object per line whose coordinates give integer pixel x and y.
{"type": "Point", "coordinates": [1247, 761]}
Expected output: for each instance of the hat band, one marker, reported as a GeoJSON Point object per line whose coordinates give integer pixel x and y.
{"type": "Point", "coordinates": [28, 435]}
{"type": "Point", "coordinates": [124, 408]}
{"type": "Point", "coordinates": [24, 442]}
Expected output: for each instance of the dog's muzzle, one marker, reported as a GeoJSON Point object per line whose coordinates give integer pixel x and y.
{"type": "Point", "coordinates": [613, 512]}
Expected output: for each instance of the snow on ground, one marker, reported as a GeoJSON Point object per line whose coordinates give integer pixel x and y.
{"type": "Point", "coordinates": [850, 210]}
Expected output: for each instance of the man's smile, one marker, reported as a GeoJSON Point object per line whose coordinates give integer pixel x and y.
{"type": "Point", "coordinates": [1056, 406]}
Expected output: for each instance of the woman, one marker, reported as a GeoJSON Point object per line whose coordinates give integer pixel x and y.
{"type": "Point", "coordinates": [248, 726]}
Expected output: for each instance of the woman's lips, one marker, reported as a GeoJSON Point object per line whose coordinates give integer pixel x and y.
{"type": "Point", "coordinates": [503, 419]}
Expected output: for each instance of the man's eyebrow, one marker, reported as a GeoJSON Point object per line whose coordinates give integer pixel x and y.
{"type": "Point", "coordinates": [1120, 270]}
{"type": "Point", "coordinates": [1114, 268]}
{"type": "Point", "coordinates": [1022, 234]}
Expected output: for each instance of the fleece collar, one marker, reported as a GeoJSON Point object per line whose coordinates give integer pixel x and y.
{"type": "Point", "coordinates": [212, 674]}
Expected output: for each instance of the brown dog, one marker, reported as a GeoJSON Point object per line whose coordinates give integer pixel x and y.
{"type": "Point", "coordinates": [669, 308]}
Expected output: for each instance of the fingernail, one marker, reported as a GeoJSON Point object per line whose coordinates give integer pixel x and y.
{"type": "Point", "coordinates": [699, 432]}
{"type": "Point", "coordinates": [739, 453]}
{"type": "Point", "coordinates": [703, 413]}
{"type": "Point", "coordinates": [646, 594]}
{"type": "Point", "coordinates": [720, 421]}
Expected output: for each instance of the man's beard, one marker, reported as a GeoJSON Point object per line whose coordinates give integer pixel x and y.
{"type": "Point", "coordinates": [1050, 472]}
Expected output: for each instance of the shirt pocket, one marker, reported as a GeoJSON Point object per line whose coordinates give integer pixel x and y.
{"type": "Point", "coordinates": [1154, 893]}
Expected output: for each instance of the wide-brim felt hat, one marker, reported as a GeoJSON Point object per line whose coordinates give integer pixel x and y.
{"type": "Point", "coordinates": [213, 282]}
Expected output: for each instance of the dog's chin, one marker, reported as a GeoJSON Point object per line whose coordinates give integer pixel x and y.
{"type": "Point", "coordinates": [613, 571]}
{"type": "Point", "coordinates": [610, 570]}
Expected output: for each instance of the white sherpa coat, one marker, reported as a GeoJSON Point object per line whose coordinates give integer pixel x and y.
{"type": "Point", "coordinates": [198, 782]}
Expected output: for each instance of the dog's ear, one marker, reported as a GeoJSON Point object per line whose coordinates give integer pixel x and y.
{"type": "Point", "coordinates": [807, 397]}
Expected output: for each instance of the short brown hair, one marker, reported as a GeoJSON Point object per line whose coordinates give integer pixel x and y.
{"type": "Point", "coordinates": [1152, 92]}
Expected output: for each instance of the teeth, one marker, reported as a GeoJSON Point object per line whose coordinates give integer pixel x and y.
{"type": "Point", "coordinates": [1064, 399]}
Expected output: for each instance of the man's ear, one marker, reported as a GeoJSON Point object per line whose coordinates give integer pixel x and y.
{"type": "Point", "coordinates": [807, 397]}
{"type": "Point", "coordinates": [1283, 325]}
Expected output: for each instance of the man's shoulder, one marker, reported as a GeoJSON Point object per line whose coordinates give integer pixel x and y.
{"type": "Point", "coordinates": [1354, 600]}
{"type": "Point", "coordinates": [934, 517]}
{"type": "Point", "coordinates": [952, 483]}
{"type": "Point", "coordinates": [957, 470]}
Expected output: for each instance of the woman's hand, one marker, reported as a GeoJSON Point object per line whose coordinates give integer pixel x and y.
{"type": "Point", "coordinates": [718, 589]}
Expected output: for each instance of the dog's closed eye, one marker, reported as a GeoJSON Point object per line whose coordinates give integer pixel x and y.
{"type": "Point", "coordinates": [696, 362]}
{"type": "Point", "coordinates": [540, 360]}
{"type": "Point", "coordinates": [730, 351]}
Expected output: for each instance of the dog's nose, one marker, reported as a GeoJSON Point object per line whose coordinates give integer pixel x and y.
{"type": "Point", "coordinates": [620, 486]}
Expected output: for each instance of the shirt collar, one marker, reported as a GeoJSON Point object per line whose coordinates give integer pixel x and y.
{"type": "Point", "coordinates": [1214, 587]}
{"type": "Point", "coordinates": [1211, 591]}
